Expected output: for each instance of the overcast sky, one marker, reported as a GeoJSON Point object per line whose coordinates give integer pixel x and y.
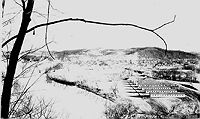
{"type": "Point", "coordinates": [183, 34]}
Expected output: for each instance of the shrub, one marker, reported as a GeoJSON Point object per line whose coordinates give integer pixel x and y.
{"type": "Point", "coordinates": [122, 110]}
{"type": "Point", "coordinates": [23, 105]}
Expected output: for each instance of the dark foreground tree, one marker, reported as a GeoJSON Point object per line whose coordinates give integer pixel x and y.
{"type": "Point", "coordinates": [6, 94]}
{"type": "Point", "coordinates": [27, 10]}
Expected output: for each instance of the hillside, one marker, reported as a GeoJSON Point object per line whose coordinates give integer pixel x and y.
{"type": "Point", "coordinates": [102, 78]}
{"type": "Point", "coordinates": [146, 55]}
{"type": "Point", "coordinates": [146, 52]}
{"type": "Point", "coordinates": [158, 53]}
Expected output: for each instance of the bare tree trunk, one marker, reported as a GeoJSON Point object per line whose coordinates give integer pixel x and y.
{"type": "Point", "coordinates": [6, 94]}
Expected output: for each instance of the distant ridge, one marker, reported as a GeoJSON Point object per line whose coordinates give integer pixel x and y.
{"type": "Point", "coordinates": [159, 53]}
{"type": "Point", "coordinates": [144, 53]}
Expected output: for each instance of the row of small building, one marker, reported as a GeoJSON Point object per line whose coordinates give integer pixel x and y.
{"type": "Point", "coordinates": [151, 88]}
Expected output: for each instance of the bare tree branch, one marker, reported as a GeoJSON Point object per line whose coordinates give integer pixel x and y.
{"type": "Point", "coordinates": [7, 50]}
{"type": "Point", "coordinates": [40, 14]}
{"type": "Point", "coordinates": [3, 6]}
{"type": "Point", "coordinates": [46, 32]}
{"type": "Point", "coordinates": [162, 40]}
{"type": "Point", "coordinates": [6, 58]}
{"type": "Point", "coordinates": [54, 8]}
{"type": "Point", "coordinates": [165, 23]}
{"type": "Point", "coordinates": [25, 70]}
{"type": "Point", "coordinates": [7, 35]}
{"type": "Point", "coordinates": [10, 13]}
{"type": "Point", "coordinates": [23, 5]}
{"type": "Point", "coordinates": [87, 21]}
{"type": "Point", "coordinates": [25, 90]}
{"type": "Point", "coordinates": [18, 3]}
{"type": "Point", "coordinates": [10, 20]}
{"type": "Point", "coordinates": [32, 51]}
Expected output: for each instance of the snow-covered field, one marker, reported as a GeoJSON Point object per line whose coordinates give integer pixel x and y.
{"type": "Point", "coordinates": [68, 102]}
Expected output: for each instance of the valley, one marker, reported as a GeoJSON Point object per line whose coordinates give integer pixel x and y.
{"type": "Point", "coordinates": [158, 85]}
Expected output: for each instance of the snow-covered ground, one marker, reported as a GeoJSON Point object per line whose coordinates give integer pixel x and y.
{"type": "Point", "coordinates": [71, 102]}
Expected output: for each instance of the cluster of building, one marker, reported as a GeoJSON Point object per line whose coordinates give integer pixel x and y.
{"type": "Point", "coordinates": [151, 88]}
{"type": "Point", "coordinates": [175, 75]}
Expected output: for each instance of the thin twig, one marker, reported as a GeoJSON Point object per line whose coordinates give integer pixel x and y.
{"type": "Point", "coordinates": [6, 58]}
{"type": "Point", "coordinates": [40, 14]}
{"type": "Point", "coordinates": [25, 70]}
{"type": "Point", "coordinates": [46, 33]}
{"type": "Point", "coordinates": [10, 13]}
{"type": "Point", "coordinates": [54, 8]}
{"type": "Point", "coordinates": [32, 51]}
{"type": "Point", "coordinates": [18, 3]}
{"type": "Point", "coordinates": [7, 54]}
{"type": "Point", "coordinates": [9, 20]}
{"type": "Point", "coordinates": [23, 92]}
{"type": "Point", "coordinates": [165, 24]}
{"type": "Point", "coordinates": [7, 35]}
{"type": "Point", "coordinates": [25, 54]}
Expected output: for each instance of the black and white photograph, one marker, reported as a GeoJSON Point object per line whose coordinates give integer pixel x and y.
{"type": "Point", "coordinates": [100, 59]}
